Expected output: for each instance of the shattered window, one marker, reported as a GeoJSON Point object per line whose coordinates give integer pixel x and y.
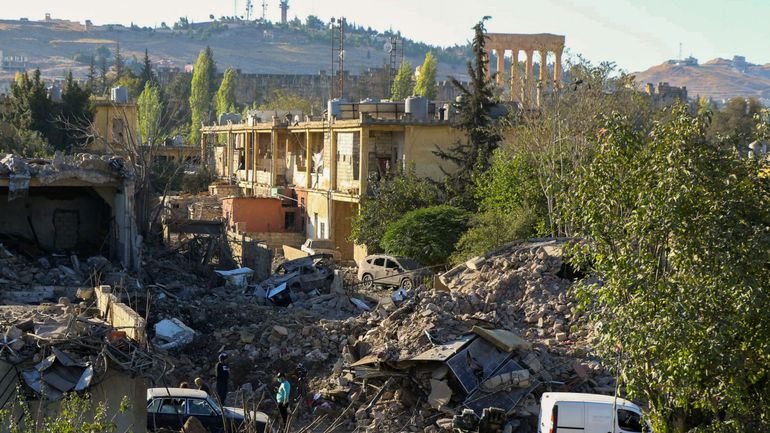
{"type": "Point", "coordinates": [391, 265]}
{"type": "Point", "coordinates": [172, 406]}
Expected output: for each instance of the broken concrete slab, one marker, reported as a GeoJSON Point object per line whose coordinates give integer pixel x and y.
{"type": "Point", "coordinates": [502, 339]}
{"type": "Point", "coordinates": [440, 393]}
{"type": "Point", "coordinates": [172, 333]}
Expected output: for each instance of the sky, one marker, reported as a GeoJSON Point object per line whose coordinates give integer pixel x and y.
{"type": "Point", "coordinates": [635, 34]}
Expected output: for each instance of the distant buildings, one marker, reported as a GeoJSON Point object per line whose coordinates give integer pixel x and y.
{"type": "Point", "coordinates": [665, 93]}
{"type": "Point", "coordinates": [689, 61]}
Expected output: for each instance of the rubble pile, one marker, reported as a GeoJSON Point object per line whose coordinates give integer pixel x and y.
{"type": "Point", "coordinates": [84, 166]}
{"type": "Point", "coordinates": [518, 289]}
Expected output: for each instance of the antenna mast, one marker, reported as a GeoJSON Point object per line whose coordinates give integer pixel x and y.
{"type": "Point", "coordinates": [338, 56]}
{"type": "Point", "coordinates": [249, 9]}
{"type": "Point", "coordinates": [680, 51]}
{"type": "Point", "coordinates": [264, 9]}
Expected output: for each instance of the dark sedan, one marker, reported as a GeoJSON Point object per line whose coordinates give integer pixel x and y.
{"type": "Point", "coordinates": [171, 407]}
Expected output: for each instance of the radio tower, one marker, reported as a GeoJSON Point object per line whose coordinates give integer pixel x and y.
{"type": "Point", "coordinates": [284, 10]}
{"type": "Point", "coordinates": [249, 9]}
{"type": "Point", "coordinates": [264, 9]}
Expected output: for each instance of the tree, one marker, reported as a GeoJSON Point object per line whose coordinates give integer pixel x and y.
{"type": "Point", "coordinates": [426, 81]}
{"type": "Point", "coordinates": [734, 124]}
{"type": "Point", "coordinates": [75, 414]}
{"type": "Point", "coordinates": [119, 63]}
{"type": "Point", "coordinates": [402, 85]}
{"type": "Point", "coordinates": [28, 105]}
{"type": "Point", "coordinates": [511, 206]}
{"type": "Point", "coordinates": [177, 105]}
{"type": "Point", "coordinates": [92, 76]}
{"type": "Point", "coordinates": [77, 113]}
{"type": "Point", "coordinates": [131, 82]}
{"type": "Point", "coordinates": [150, 108]}
{"type": "Point", "coordinates": [226, 93]}
{"type": "Point", "coordinates": [675, 228]}
{"type": "Point", "coordinates": [427, 235]}
{"type": "Point", "coordinates": [200, 92]}
{"type": "Point", "coordinates": [281, 99]}
{"type": "Point", "coordinates": [103, 75]}
{"type": "Point", "coordinates": [472, 157]}
{"type": "Point", "coordinates": [386, 201]}
{"type": "Point", "coordinates": [146, 75]}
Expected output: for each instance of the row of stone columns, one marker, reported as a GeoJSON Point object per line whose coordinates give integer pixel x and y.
{"type": "Point", "coordinates": [526, 94]}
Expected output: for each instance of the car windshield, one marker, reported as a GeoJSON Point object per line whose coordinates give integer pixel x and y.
{"type": "Point", "coordinates": [408, 263]}
{"type": "Point", "coordinates": [214, 404]}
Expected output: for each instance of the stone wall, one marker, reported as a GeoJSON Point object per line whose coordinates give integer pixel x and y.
{"type": "Point", "coordinates": [119, 315]}
{"type": "Point", "coordinates": [277, 240]}
{"type": "Point", "coordinates": [251, 253]}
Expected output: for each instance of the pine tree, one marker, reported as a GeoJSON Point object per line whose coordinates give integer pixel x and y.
{"type": "Point", "coordinates": [426, 82]}
{"type": "Point", "coordinates": [402, 84]}
{"type": "Point", "coordinates": [201, 91]}
{"type": "Point", "coordinates": [472, 157]}
{"type": "Point", "coordinates": [146, 74]}
{"type": "Point", "coordinates": [76, 114]}
{"type": "Point", "coordinates": [92, 76]}
{"type": "Point", "coordinates": [226, 93]}
{"type": "Point", "coordinates": [103, 76]}
{"type": "Point", "coordinates": [119, 64]}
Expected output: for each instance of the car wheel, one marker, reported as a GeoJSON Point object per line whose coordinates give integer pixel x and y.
{"type": "Point", "coordinates": [367, 281]}
{"type": "Point", "coordinates": [406, 284]}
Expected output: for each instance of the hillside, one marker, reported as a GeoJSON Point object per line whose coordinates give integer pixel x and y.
{"type": "Point", "coordinates": [252, 47]}
{"type": "Point", "coordinates": [718, 78]}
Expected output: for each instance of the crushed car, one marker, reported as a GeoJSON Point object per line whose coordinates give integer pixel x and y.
{"type": "Point", "coordinates": [391, 271]}
{"type": "Point", "coordinates": [298, 279]}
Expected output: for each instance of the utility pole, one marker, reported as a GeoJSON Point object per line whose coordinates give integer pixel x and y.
{"type": "Point", "coordinates": [264, 9]}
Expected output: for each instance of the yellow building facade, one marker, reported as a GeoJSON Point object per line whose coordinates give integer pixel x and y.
{"type": "Point", "coordinates": [326, 165]}
{"type": "Point", "coordinates": [115, 125]}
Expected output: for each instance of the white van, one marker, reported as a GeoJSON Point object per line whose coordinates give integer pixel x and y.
{"type": "Point", "coordinates": [571, 412]}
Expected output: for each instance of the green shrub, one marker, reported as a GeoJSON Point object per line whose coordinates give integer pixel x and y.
{"type": "Point", "coordinates": [428, 234]}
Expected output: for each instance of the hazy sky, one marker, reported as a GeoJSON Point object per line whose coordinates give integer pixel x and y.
{"type": "Point", "coordinates": [635, 34]}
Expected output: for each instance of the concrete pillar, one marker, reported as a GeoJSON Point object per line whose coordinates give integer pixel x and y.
{"type": "Point", "coordinates": [500, 66]}
{"type": "Point", "coordinates": [557, 68]}
{"type": "Point", "coordinates": [204, 152]}
{"type": "Point", "coordinates": [515, 81]}
{"type": "Point", "coordinates": [254, 143]}
{"type": "Point", "coordinates": [308, 160]}
{"type": "Point", "coordinates": [229, 155]}
{"type": "Point", "coordinates": [273, 157]}
{"type": "Point", "coordinates": [333, 160]}
{"type": "Point", "coordinates": [528, 81]}
{"type": "Point", "coordinates": [363, 164]}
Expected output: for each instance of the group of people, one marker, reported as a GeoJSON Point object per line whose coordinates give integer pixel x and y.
{"type": "Point", "coordinates": [223, 378]}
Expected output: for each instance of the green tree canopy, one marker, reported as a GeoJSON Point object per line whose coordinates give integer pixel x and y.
{"type": "Point", "coordinates": [388, 199]}
{"type": "Point", "coordinates": [150, 109]}
{"type": "Point", "coordinates": [428, 234]}
{"type": "Point", "coordinates": [200, 92]}
{"type": "Point", "coordinates": [146, 74]}
{"type": "Point", "coordinates": [677, 231]}
{"type": "Point", "coordinates": [426, 81]}
{"type": "Point", "coordinates": [472, 157]}
{"type": "Point", "coordinates": [402, 84]}
{"type": "Point", "coordinates": [226, 93]}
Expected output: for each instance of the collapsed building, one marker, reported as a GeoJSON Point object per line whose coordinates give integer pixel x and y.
{"type": "Point", "coordinates": [97, 346]}
{"type": "Point", "coordinates": [73, 204]}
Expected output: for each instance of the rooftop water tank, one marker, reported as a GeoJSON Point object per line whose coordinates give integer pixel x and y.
{"type": "Point", "coordinates": [334, 107]}
{"type": "Point", "coordinates": [119, 95]}
{"type": "Point", "coordinates": [416, 107]}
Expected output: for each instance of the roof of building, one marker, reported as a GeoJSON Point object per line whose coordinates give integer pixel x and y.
{"type": "Point", "coordinates": [175, 392]}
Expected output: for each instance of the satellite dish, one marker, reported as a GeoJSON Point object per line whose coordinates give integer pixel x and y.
{"type": "Point", "coordinates": [388, 47]}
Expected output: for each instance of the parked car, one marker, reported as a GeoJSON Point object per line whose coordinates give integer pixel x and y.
{"type": "Point", "coordinates": [170, 408]}
{"type": "Point", "coordinates": [321, 246]}
{"type": "Point", "coordinates": [309, 275]}
{"type": "Point", "coordinates": [392, 271]}
{"type": "Point", "coordinates": [589, 413]}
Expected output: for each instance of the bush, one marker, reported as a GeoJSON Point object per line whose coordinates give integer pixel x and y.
{"type": "Point", "coordinates": [428, 235]}
{"type": "Point", "coordinates": [492, 229]}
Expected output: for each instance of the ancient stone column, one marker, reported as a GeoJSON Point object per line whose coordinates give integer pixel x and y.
{"type": "Point", "coordinates": [557, 68]}
{"type": "Point", "coordinates": [542, 85]}
{"type": "Point", "coordinates": [515, 83]}
{"type": "Point", "coordinates": [500, 66]}
{"type": "Point", "coordinates": [528, 80]}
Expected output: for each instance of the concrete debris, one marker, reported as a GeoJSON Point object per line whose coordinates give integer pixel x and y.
{"type": "Point", "coordinates": [440, 393]}
{"type": "Point", "coordinates": [172, 334]}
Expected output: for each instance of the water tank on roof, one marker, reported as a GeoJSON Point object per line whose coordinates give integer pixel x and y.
{"type": "Point", "coordinates": [119, 95]}
{"type": "Point", "coordinates": [334, 107]}
{"type": "Point", "coordinates": [416, 107]}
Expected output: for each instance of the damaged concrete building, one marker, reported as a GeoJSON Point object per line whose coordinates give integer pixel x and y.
{"type": "Point", "coordinates": [324, 166]}
{"type": "Point", "coordinates": [77, 204]}
{"type": "Point", "coordinates": [97, 347]}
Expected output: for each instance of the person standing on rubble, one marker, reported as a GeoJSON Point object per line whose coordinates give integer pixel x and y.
{"type": "Point", "coordinates": [282, 396]}
{"type": "Point", "coordinates": [223, 376]}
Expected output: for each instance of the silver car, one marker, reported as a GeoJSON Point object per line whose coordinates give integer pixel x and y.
{"type": "Point", "coordinates": [385, 270]}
